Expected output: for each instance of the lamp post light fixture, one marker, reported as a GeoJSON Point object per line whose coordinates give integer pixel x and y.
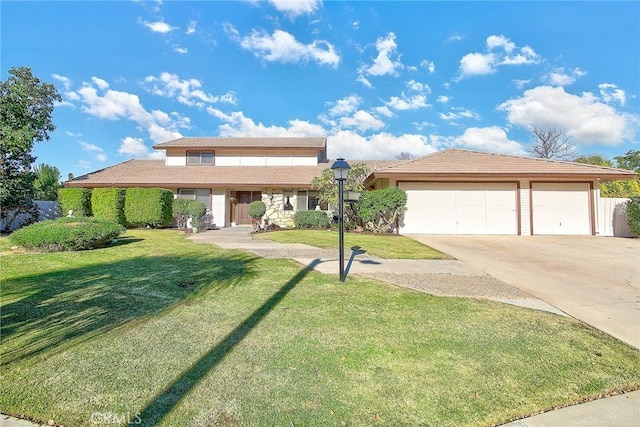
{"type": "Point", "coordinates": [340, 173]}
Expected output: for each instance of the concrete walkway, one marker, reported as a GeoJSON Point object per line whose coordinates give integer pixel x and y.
{"type": "Point", "coordinates": [437, 277]}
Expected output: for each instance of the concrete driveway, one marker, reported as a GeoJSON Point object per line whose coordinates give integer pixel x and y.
{"type": "Point", "coordinates": [594, 279]}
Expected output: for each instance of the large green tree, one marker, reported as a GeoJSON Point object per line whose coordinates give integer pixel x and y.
{"type": "Point", "coordinates": [624, 188]}
{"type": "Point", "coordinates": [328, 189]}
{"type": "Point", "coordinates": [47, 182]}
{"type": "Point", "coordinates": [26, 107]}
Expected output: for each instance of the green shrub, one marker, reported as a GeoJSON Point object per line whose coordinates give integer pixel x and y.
{"type": "Point", "coordinates": [67, 234]}
{"type": "Point", "coordinates": [633, 215]}
{"type": "Point", "coordinates": [148, 207]}
{"type": "Point", "coordinates": [257, 209]}
{"type": "Point", "coordinates": [74, 199]}
{"type": "Point", "coordinates": [108, 203]}
{"type": "Point", "coordinates": [379, 210]}
{"type": "Point", "coordinates": [311, 219]}
{"type": "Point", "coordinates": [184, 208]}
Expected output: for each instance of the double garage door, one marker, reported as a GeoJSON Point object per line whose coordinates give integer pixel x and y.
{"type": "Point", "coordinates": [460, 208]}
{"type": "Point", "coordinates": [492, 208]}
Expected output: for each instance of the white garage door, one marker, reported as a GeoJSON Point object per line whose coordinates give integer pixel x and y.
{"type": "Point", "coordinates": [460, 208]}
{"type": "Point", "coordinates": [561, 208]}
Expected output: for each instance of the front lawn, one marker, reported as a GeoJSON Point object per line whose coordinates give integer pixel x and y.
{"type": "Point", "coordinates": [388, 246]}
{"type": "Point", "coordinates": [161, 330]}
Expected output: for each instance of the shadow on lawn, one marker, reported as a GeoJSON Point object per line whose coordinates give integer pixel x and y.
{"type": "Point", "coordinates": [60, 309]}
{"type": "Point", "coordinates": [163, 403]}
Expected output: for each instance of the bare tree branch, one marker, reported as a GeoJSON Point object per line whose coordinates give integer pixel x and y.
{"type": "Point", "coordinates": [553, 144]}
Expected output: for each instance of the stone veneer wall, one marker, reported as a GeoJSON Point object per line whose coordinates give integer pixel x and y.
{"type": "Point", "coordinates": [275, 212]}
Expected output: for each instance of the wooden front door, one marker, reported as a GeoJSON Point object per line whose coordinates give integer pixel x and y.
{"type": "Point", "coordinates": [243, 199]}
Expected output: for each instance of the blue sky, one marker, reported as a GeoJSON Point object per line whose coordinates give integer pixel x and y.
{"type": "Point", "coordinates": [376, 78]}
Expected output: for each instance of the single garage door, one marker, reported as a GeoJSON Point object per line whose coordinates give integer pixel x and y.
{"type": "Point", "coordinates": [561, 208]}
{"type": "Point", "coordinates": [460, 208]}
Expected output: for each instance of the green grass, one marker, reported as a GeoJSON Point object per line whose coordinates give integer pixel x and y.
{"type": "Point", "coordinates": [388, 246]}
{"type": "Point", "coordinates": [160, 330]}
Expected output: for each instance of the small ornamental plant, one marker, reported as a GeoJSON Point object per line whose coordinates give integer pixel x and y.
{"type": "Point", "coordinates": [257, 210]}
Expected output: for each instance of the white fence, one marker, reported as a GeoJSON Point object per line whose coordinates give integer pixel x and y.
{"type": "Point", "coordinates": [612, 217]}
{"type": "Point", "coordinates": [48, 210]}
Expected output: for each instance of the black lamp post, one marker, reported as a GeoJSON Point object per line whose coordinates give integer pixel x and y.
{"type": "Point", "coordinates": [340, 172]}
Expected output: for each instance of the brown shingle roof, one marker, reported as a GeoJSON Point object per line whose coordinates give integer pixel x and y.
{"type": "Point", "coordinates": [474, 164]}
{"type": "Point", "coordinates": [302, 142]}
{"type": "Point", "coordinates": [147, 173]}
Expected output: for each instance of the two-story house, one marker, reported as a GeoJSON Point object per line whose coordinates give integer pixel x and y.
{"type": "Point", "coordinates": [227, 174]}
{"type": "Point", "coordinates": [449, 192]}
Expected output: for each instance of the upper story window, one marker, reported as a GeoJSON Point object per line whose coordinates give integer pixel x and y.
{"type": "Point", "coordinates": [200, 158]}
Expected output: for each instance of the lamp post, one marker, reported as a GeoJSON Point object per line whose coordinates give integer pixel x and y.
{"type": "Point", "coordinates": [340, 172]}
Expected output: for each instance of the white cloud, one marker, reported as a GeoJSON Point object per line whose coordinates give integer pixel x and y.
{"type": "Point", "coordinates": [362, 79]}
{"type": "Point", "coordinates": [429, 65]}
{"type": "Point", "coordinates": [520, 84]}
{"type": "Point", "coordinates": [473, 64]}
{"type": "Point", "coordinates": [356, 25]}
{"type": "Point", "coordinates": [293, 8]}
{"type": "Point", "coordinates": [237, 125]}
{"type": "Point", "coordinates": [92, 148]}
{"type": "Point", "coordinates": [351, 145]}
{"type": "Point", "coordinates": [459, 113]}
{"type": "Point", "coordinates": [500, 42]}
{"type": "Point", "coordinates": [66, 81]}
{"type": "Point", "coordinates": [363, 121]}
{"type": "Point", "coordinates": [384, 110]}
{"type": "Point", "coordinates": [116, 105]}
{"type": "Point", "coordinates": [499, 51]}
{"type": "Point", "coordinates": [180, 50]}
{"type": "Point", "coordinates": [610, 93]}
{"type": "Point", "coordinates": [159, 27]}
{"type": "Point", "coordinates": [193, 25]}
{"type": "Point", "coordinates": [283, 47]}
{"type": "Point", "coordinates": [443, 99]}
{"type": "Point", "coordinates": [418, 87]}
{"type": "Point", "coordinates": [384, 63]}
{"type": "Point", "coordinates": [582, 117]}
{"type": "Point", "coordinates": [559, 77]}
{"type": "Point", "coordinates": [421, 125]}
{"type": "Point", "coordinates": [454, 38]}
{"type": "Point", "coordinates": [493, 139]}
{"type": "Point", "coordinates": [135, 147]}
{"type": "Point", "coordinates": [102, 84]}
{"type": "Point", "coordinates": [345, 105]}
{"type": "Point", "coordinates": [404, 102]}
{"type": "Point", "coordinates": [188, 92]}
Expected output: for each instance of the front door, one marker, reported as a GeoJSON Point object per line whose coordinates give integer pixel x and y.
{"type": "Point", "coordinates": [243, 199]}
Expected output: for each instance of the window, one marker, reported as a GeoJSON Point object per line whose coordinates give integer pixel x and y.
{"type": "Point", "coordinates": [308, 200]}
{"type": "Point", "coordinates": [200, 194]}
{"type": "Point", "coordinates": [200, 158]}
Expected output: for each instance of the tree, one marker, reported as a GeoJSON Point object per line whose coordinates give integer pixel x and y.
{"type": "Point", "coordinates": [327, 188]}
{"type": "Point", "coordinates": [47, 182]}
{"type": "Point", "coordinates": [622, 188]}
{"type": "Point", "coordinates": [405, 156]}
{"type": "Point", "coordinates": [26, 107]}
{"type": "Point", "coordinates": [630, 161]}
{"type": "Point", "coordinates": [553, 144]}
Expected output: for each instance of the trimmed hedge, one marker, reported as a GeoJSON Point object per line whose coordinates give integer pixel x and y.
{"type": "Point", "coordinates": [148, 207]}
{"type": "Point", "coordinates": [76, 199]}
{"type": "Point", "coordinates": [311, 219]}
{"type": "Point", "coordinates": [67, 234]}
{"type": "Point", "coordinates": [108, 203]}
{"type": "Point", "coordinates": [184, 208]}
{"type": "Point", "coordinates": [633, 215]}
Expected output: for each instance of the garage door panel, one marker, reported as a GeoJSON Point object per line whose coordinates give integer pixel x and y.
{"type": "Point", "coordinates": [561, 208]}
{"type": "Point", "coordinates": [460, 208]}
